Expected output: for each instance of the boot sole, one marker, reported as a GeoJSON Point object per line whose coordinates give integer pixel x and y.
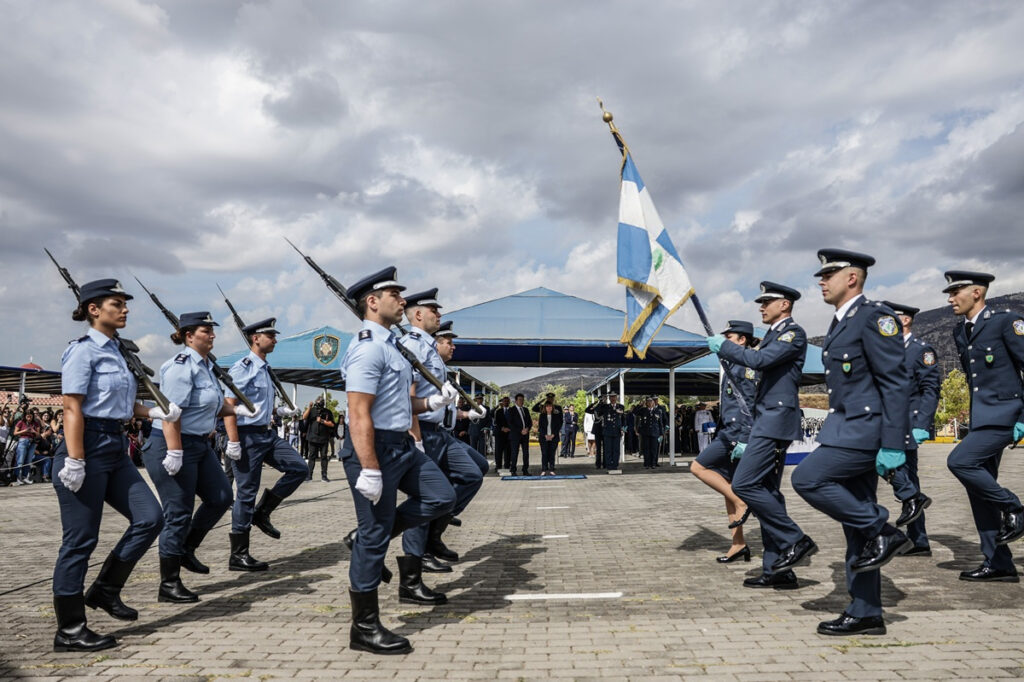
{"type": "Point", "coordinates": [869, 631]}
{"type": "Point", "coordinates": [242, 569]}
{"type": "Point", "coordinates": [112, 614]}
{"type": "Point", "coordinates": [413, 600]}
{"type": "Point", "coordinates": [66, 649]}
{"type": "Point", "coordinates": [174, 600]}
{"type": "Point", "coordinates": [1000, 579]}
{"type": "Point", "coordinates": [383, 652]}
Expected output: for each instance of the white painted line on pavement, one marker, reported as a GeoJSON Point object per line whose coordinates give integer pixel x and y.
{"type": "Point", "coordinates": [538, 487]}
{"type": "Point", "coordinates": [539, 508]}
{"type": "Point", "coordinates": [564, 595]}
{"type": "Point", "coordinates": [553, 537]}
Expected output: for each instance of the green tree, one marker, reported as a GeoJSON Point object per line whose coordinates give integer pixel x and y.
{"type": "Point", "coordinates": [954, 400]}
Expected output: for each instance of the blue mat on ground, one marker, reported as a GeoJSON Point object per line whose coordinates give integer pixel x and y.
{"type": "Point", "coordinates": [795, 457]}
{"type": "Point", "coordinates": [542, 478]}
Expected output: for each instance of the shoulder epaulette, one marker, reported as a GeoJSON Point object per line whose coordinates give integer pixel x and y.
{"type": "Point", "coordinates": [365, 335]}
{"type": "Point", "coordinates": [414, 335]}
{"type": "Point", "coordinates": [79, 339]}
{"type": "Point", "coordinates": [247, 361]}
{"type": "Point", "coordinates": [181, 358]}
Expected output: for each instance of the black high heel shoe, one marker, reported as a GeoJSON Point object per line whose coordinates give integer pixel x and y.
{"type": "Point", "coordinates": [741, 521]}
{"type": "Point", "coordinates": [729, 558]}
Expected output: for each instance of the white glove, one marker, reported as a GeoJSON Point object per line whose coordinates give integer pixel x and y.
{"type": "Point", "coordinates": [477, 414]}
{"type": "Point", "coordinates": [172, 414]}
{"type": "Point", "coordinates": [243, 411]}
{"type": "Point", "coordinates": [172, 462]}
{"type": "Point", "coordinates": [285, 411]}
{"type": "Point", "coordinates": [73, 474]}
{"type": "Point", "coordinates": [419, 446]}
{"type": "Point", "coordinates": [370, 484]}
{"type": "Point", "coordinates": [447, 396]}
{"type": "Point", "coordinates": [233, 450]}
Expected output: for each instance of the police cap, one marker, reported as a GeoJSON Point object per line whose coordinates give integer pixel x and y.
{"type": "Point", "coordinates": [771, 291]}
{"type": "Point", "coordinates": [383, 279]}
{"type": "Point", "coordinates": [102, 288]}
{"type": "Point", "coordinates": [740, 327]}
{"type": "Point", "coordinates": [428, 297]}
{"type": "Point", "coordinates": [962, 278]}
{"type": "Point", "coordinates": [262, 327]}
{"type": "Point", "coordinates": [444, 330]}
{"type": "Point", "coordinates": [901, 309]}
{"type": "Point", "coordinates": [837, 259]}
{"type": "Point", "coordinates": [197, 319]}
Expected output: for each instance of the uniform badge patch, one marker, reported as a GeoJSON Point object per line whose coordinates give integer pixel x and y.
{"type": "Point", "coordinates": [181, 358]}
{"type": "Point", "coordinates": [750, 374]}
{"type": "Point", "coordinates": [788, 337]}
{"type": "Point", "coordinates": [989, 359]}
{"type": "Point", "coordinates": [326, 347]}
{"type": "Point", "coordinates": [847, 367]}
{"type": "Point", "coordinates": [246, 361]}
{"type": "Point", "coordinates": [365, 334]}
{"type": "Point", "coordinates": [887, 325]}
{"type": "Point", "coordinates": [1018, 327]}
{"type": "Point", "coordinates": [929, 358]}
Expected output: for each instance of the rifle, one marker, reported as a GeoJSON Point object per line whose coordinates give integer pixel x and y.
{"type": "Point", "coordinates": [221, 373]}
{"type": "Point", "coordinates": [273, 377]}
{"type": "Point", "coordinates": [129, 350]}
{"type": "Point", "coordinates": [338, 290]}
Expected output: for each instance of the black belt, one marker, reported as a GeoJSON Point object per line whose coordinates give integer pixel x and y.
{"type": "Point", "coordinates": [104, 425]}
{"type": "Point", "coordinates": [254, 428]}
{"type": "Point", "coordinates": [429, 426]}
{"type": "Point", "coordinates": [391, 437]}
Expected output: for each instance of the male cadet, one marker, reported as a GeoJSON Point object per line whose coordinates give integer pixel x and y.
{"type": "Point", "coordinates": [650, 430]}
{"type": "Point", "coordinates": [991, 348]}
{"type": "Point", "coordinates": [502, 456]}
{"type": "Point", "coordinates": [251, 443]}
{"type": "Point", "coordinates": [464, 466]}
{"type": "Point", "coordinates": [598, 430]}
{"type": "Point", "coordinates": [865, 435]}
{"type": "Point", "coordinates": [612, 417]}
{"type": "Point", "coordinates": [758, 475]}
{"type": "Point", "coordinates": [570, 426]}
{"type": "Point", "coordinates": [923, 370]}
{"type": "Point", "coordinates": [549, 398]}
{"type": "Point", "coordinates": [381, 458]}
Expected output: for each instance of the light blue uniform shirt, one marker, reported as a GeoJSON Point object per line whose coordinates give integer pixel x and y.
{"type": "Point", "coordinates": [92, 366]}
{"type": "Point", "coordinates": [374, 365]}
{"type": "Point", "coordinates": [188, 382]}
{"type": "Point", "coordinates": [424, 348]}
{"type": "Point", "coordinates": [252, 377]}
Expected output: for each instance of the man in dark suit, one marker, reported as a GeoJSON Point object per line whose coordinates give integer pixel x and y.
{"type": "Point", "coordinates": [502, 456]}
{"type": "Point", "coordinates": [519, 423]}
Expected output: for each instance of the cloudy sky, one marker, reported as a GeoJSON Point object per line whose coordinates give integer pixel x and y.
{"type": "Point", "coordinates": [180, 140]}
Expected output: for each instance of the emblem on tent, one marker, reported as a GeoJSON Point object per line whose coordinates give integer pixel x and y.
{"type": "Point", "coordinates": [325, 348]}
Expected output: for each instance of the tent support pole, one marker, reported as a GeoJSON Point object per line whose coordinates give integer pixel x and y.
{"type": "Point", "coordinates": [672, 416]}
{"type": "Point", "coordinates": [622, 397]}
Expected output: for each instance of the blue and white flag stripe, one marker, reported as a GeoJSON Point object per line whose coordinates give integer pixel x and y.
{"type": "Point", "coordinates": [648, 264]}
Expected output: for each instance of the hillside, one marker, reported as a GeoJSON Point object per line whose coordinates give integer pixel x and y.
{"type": "Point", "coordinates": [573, 379]}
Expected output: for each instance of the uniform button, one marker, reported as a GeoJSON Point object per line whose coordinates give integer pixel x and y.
{"type": "Point", "coordinates": [780, 402]}
{"type": "Point", "coordinates": [972, 359]}
{"type": "Point", "coordinates": [974, 375]}
{"type": "Point", "coordinates": [830, 390]}
{"type": "Point", "coordinates": [824, 354]}
{"type": "Point", "coordinates": [915, 411]}
{"type": "Point", "coordinates": [831, 410]}
{"type": "Point", "coordinates": [827, 371]}
{"type": "Point", "coordinates": [975, 388]}
{"type": "Point", "coordinates": [970, 347]}
{"type": "Point", "coordinates": [846, 356]}
{"type": "Point", "coordinates": [867, 408]}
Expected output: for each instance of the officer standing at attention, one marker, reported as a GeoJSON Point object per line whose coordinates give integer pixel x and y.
{"type": "Point", "coordinates": [598, 431]}
{"type": "Point", "coordinates": [923, 369]}
{"type": "Point", "coordinates": [252, 442]}
{"type": "Point", "coordinates": [91, 466]}
{"type": "Point", "coordinates": [570, 426]}
{"type": "Point", "coordinates": [502, 431]}
{"type": "Point", "coordinates": [180, 458]}
{"type": "Point", "coordinates": [865, 435]}
{"type": "Point", "coordinates": [463, 466]}
{"type": "Point", "coordinates": [650, 430]}
{"type": "Point", "coordinates": [381, 458]}
{"type": "Point", "coordinates": [612, 417]}
{"type": "Point", "coordinates": [756, 481]}
{"type": "Point", "coordinates": [715, 465]}
{"type": "Point", "coordinates": [991, 348]}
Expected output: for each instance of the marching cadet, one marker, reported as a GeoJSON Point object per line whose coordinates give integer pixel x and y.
{"type": "Point", "coordinates": [923, 370]}
{"type": "Point", "coordinates": [381, 458]}
{"type": "Point", "coordinates": [758, 475]}
{"type": "Point", "coordinates": [612, 417]}
{"type": "Point", "coordinates": [252, 443]}
{"type": "Point", "coordinates": [990, 344]}
{"type": "Point", "coordinates": [715, 464]}
{"type": "Point", "coordinates": [90, 466]}
{"type": "Point", "coordinates": [462, 465]}
{"type": "Point", "coordinates": [865, 435]}
{"type": "Point", "coordinates": [180, 459]}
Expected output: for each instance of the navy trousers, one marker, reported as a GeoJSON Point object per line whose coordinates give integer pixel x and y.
{"type": "Point", "coordinates": [905, 485]}
{"type": "Point", "coordinates": [112, 478]}
{"type": "Point", "coordinates": [756, 481]}
{"type": "Point", "coordinates": [650, 446]}
{"type": "Point", "coordinates": [548, 451]}
{"type": "Point", "coordinates": [200, 474]}
{"type": "Point", "coordinates": [975, 463]}
{"type": "Point", "coordinates": [842, 482]}
{"type": "Point", "coordinates": [612, 450]}
{"type": "Point", "coordinates": [259, 446]}
{"type": "Point", "coordinates": [717, 457]}
{"type": "Point", "coordinates": [404, 468]}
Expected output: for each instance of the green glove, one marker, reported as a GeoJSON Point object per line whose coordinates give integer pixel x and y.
{"type": "Point", "coordinates": [715, 342]}
{"type": "Point", "coordinates": [920, 435]}
{"type": "Point", "coordinates": [738, 451]}
{"type": "Point", "coordinates": [888, 460]}
{"type": "Point", "coordinates": [1018, 431]}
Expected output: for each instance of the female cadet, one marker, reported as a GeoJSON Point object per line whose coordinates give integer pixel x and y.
{"type": "Point", "coordinates": [716, 463]}
{"type": "Point", "coordinates": [180, 458]}
{"type": "Point", "coordinates": [91, 467]}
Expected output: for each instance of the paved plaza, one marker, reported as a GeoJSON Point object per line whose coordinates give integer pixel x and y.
{"type": "Point", "coordinates": [651, 536]}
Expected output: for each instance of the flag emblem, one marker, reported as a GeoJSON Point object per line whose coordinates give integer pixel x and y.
{"type": "Point", "coordinates": [887, 325]}
{"type": "Point", "coordinates": [326, 347]}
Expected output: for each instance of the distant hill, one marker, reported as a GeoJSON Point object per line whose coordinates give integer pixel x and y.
{"type": "Point", "coordinates": [573, 379]}
{"type": "Point", "coordinates": [936, 327]}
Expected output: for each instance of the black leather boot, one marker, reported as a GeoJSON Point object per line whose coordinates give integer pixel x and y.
{"type": "Point", "coordinates": [261, 515]}
{"type": "Point", "coordinates": [171, 588]}
{"type": "Point", "coordinates": [240, 559]}
{"type": "Point", "coordinates": [188, 560]}
{"type": "Point", "coordinates": [435, 545]}
{"type": "Point", "coordinates": [72, 633]}
{"type": "Point", "coordinates": [367, 633]}
{"type": "Point", "coordinates": [105, 592]}
{"type": "Point", "coordinates": [410, 583]}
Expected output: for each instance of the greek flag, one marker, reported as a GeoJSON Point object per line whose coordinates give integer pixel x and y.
{"type": "Point", "coordinates": [648, 264]}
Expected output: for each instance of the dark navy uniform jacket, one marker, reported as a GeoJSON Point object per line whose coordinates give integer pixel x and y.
{"type": "Point", "coordinates": [868, 382]}
{"type": "Point", "coordinates": [611, 417]}
{"type": "Point", "coordinates": [780, 358]}
{"type": "Point", "coordinates": [993, 359]}
{"type": "Point", "coordinates": [923, 366]}
{"type": "Point", "coordinates": [735, 419]}
{"type": "Point", "coordinates": [650, 422]}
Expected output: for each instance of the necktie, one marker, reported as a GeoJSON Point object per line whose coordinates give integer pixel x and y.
{"type": "Point", "coordinates": [835, 321]}
{"type": "Point", "coordinates": [970, 329]}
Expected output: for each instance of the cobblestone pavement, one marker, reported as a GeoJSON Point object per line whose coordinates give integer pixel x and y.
{"type": "Point", "coordinates": [652, 536]}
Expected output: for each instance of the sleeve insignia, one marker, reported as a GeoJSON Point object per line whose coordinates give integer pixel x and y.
{"type": "Point", "coordinates": [750, 374]}
{"type": "Point", "coordinates": [247, 362]}
{"type": "Point", "coordinates": [414, 335]}
{"type": "Point", "coordinates": [929, 358]}
{"type": "Point", "coordinates": [887, 325]}
{"type": "Point", "coordinates": [365, 334]}
{"type": "Point", "coordinates": [788, 337]}
{"type": "Point", "coordinates": [181, 358]}
{"type": "Point", "coordinates": [1018, 327]}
